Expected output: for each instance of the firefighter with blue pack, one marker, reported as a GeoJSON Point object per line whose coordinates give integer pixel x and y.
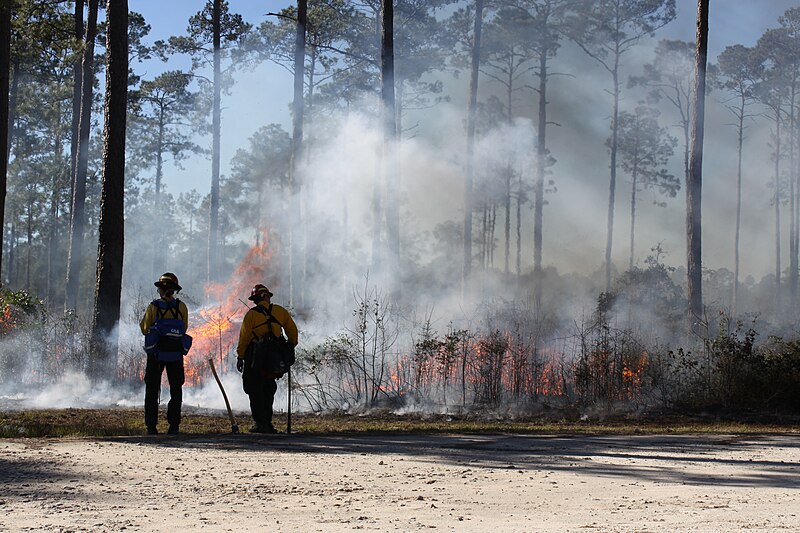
{"type": "Point", "coordinates": [165, 342]}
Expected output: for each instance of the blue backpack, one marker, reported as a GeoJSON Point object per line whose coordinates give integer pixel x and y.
{"type": "Point", "coordinates": [167, 338]}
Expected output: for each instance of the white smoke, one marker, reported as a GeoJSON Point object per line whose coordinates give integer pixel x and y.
{"type": "Point", "coordinates": [343, 172]}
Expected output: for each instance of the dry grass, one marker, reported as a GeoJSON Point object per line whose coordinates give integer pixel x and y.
{"type": "Point", "coordinates": [121, 422]}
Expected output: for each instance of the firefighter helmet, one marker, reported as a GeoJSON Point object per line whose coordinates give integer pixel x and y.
{"type": "Point", "coordinates": [259, 292]}
{"type": "Point", "coordinates": [168, 280]}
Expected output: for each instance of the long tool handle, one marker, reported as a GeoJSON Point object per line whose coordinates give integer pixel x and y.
{"type": "Point", "coordinates": [234, 426]}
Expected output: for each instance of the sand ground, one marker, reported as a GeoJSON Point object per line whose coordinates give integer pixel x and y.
{"type": "Point", "coordinates": [494, 483]}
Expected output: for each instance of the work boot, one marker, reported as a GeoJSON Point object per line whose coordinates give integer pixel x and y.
{"type": "Point", "coordinates": [173, 430]}
{"type": "Point", "coordinates": [268, 428]}
{"type": "Point", "coordinates": [152, 431]}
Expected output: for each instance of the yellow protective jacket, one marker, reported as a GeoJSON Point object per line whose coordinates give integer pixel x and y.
{"type": "Point", "coordinates": [151, 314]}
{"type": "Point", "coordinates": [255, 324]}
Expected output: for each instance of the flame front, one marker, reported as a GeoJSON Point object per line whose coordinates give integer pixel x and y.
{"type": "Point", "coordinates": [213, 327]}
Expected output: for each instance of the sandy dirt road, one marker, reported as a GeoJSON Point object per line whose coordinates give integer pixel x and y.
{"type": "Point", "coordinates": [494, 483]}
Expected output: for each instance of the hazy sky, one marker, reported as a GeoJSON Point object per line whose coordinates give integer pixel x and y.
{"type": "Point", "coordinates": [731, 21]}
{"type": "Point", "coordinates": [263, 96]}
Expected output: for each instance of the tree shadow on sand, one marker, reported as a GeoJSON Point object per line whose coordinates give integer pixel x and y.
{"type": "Point", "coordinates": [37, 478]}
{"type": "Point", "coordinates": [684, 459]}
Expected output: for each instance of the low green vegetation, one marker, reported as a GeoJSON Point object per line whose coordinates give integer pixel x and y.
{"type": "Point", "coordinates": [55, 423]}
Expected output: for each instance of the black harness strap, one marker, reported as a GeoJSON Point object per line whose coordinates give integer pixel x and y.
{"type": "Point", "coordinates": [270, 320]}
{"type": "Point", "coordinates": [161, 312]}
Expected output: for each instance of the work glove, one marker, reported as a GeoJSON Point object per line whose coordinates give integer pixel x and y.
{"type": "Point", "coordinates": [240, 365]}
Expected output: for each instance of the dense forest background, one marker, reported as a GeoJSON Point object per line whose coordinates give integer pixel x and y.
{"type": "Point", "coordinates": [512, 232]}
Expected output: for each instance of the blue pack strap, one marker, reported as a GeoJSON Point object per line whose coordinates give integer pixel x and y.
{"type": "Point", "coordinates": [167, 338]}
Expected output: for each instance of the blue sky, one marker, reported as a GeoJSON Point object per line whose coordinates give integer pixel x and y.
{"type": "Point", "coordinates": [259, 98]}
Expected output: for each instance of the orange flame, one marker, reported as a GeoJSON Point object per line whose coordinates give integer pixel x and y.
{"type": "Point", "coordinates": [213, 332]}
{"type": "Point", "coordinates": [9, 319]}
{"type": "Point", "coordinates": [550, 383]}
{"type": "Point", "coordinates": [632, 377]}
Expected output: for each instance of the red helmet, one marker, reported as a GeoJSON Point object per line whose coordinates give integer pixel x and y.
{"type": "Point", "coordinates": [168, 280]}
{"type": "Point", "coordinates": [259, 291]}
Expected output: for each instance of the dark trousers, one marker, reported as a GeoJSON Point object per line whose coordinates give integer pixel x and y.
{"type": "Point", "coordinates": [152, 382]}
{"type": "Point", "coordinates": [261, 391]}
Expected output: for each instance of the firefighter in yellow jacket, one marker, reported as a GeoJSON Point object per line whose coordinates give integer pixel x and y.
{"type": "Point", "coordinates": [167, 306]}
{"type": "Point", "coordinates": [259, 321]}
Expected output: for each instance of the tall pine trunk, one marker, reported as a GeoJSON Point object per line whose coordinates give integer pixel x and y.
{"type": "Point", "coordinates": [53, 242]}
{"type": "Point", "coordinates": [538, 201]}
{"type": "Point", "coordinates": [13, 94]}
{"type": "Point", "coordinates": [216, 120]}
{"type": "Point", "coordinates": [612, 184]}
{"type": "Point", "coordinates": [306, 153]}
{"type": "Point", "coordinates": [792, 202]}
{"type": "Point", "coordinates": [737, 231]}
{"type": "Point", "coordinates": [78, 210]}
{"type": "Point", "coordinates": [157, 229]}
{"type": "Point", "coordinates": [695, 186]}
{"type": "Point", "coordinates": [472, 110]}
{"type": "Point", "coordinates": [777, 201]}
{"type": "Point", "coordinates": [295, 184]}
{"type": "Point", "coordinates": [687, 146]}
{"type": "Point", "coordinates": [519, 226]}
{"type": "Point", "coordinates": [389, 134]}
{"type": "Point", "coordinates": [12, 248]}
{"type": "Point", "coordinates": [5, 70]}
{"type": "Point", "coordinates": [509, 174]}
{"type": "Point", "coordinates": [484, 249]}
{"type": "Point", "coordinates": [507, 221]}
{"type": "Point", "coordinates": [76, 97]}
{"type": "Point", "coordinates": [28, 244]}
{"type": "Point", "coordinates": [491, 209]}
{"type": "Point", "coordinates": [634, 178]}
{"type": "Point", "coordinates": [111, 231]}
{"type": "Point", "coordinates": [794, 173]}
